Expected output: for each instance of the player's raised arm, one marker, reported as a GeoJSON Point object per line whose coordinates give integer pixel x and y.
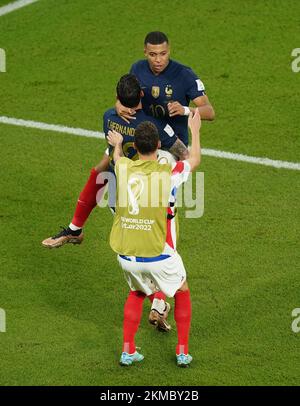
{"type": "Point", "coordinates": [179, 150]}
{"type": "Point", "coordinates": [115, 139]}
{"type": "Point", "coordinates": [195, 150]}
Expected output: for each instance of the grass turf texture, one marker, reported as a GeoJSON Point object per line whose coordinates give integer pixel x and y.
{"type": "Point", "coordinates": [65, 307]}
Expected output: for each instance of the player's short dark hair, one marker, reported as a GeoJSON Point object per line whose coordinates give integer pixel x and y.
{"type": "Point", "coordinates": [156, 38]}
{"type": "Point", "coordinates": [129, 91]}
{"type": "Point", "coordinates": [146, 138]}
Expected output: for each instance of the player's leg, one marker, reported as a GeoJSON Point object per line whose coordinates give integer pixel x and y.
{"type": "Point", "coordinates": [90, 195]}
{"type": "Point", "coordinates": [140, 287]}
{"type": "Point", "coordinates": [182, 315]}
{"type": "Point", "coordinates": [87, 201]}
{"type": "Point", "coordinates": [159, 311]}
{"type": "Point", "coordinates": [133, 309]}
{"type": "Point", "coordinates": [169, 276]}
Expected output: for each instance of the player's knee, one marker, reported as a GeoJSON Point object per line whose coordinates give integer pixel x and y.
{"type": "Point", "coordinates": [98, 168]}
{"type": "Point", "coordinates": [184, 287]}
{"type": "Point", "coordinates": [137, 293]}
{"type": "Point", "coordinates": [103, 164]}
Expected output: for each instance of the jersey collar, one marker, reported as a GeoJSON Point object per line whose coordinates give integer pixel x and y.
{"type": "Point", "coordinates": [165, 70]}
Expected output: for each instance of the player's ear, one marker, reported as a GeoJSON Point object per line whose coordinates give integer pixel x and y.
{"type": "Point", "coordinates": [159, 145]}
{"type": "Point", "coordinates": [142, 94]}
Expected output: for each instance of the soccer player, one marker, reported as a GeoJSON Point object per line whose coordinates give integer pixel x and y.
{"type": "Point", "coordinates": [129, 93]}
{"type": "Point", "coordinates": [143, 235]}
{"type": "Point", "coordinates": [168, 87]}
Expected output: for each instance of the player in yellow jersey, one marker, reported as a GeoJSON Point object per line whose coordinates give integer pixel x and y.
{"type": "Point", "coordinates": [144, 234]}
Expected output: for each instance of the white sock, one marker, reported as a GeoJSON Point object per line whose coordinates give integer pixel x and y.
{"type": "Point", "coordinates": [73, 227]}
{"type": "Point", "coordinates": [158, 305]}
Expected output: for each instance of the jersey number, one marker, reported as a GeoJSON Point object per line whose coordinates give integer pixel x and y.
{"type": "Point", "coordinates": [157, 110]}
{"type": "Point", "coordinates": [130, 154]}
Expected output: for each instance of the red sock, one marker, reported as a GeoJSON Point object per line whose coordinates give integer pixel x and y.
{"type": "Point", "coordinates": [157, 295]}
{"type": "Point", "coordinates": [182, 314]}
{"type": "Point", "coordinates": [133, 309]}
{"type": "Point", "coordinates": [87, 199]}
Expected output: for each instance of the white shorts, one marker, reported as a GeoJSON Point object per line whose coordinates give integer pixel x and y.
{"type": "Point", "coordinates": [166, 275]}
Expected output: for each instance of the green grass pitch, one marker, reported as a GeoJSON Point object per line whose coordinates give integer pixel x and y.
{"type": "Point", "coordinates": [64, 307]}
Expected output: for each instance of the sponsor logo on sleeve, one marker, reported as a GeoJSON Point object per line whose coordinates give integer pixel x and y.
{"type": "Point", "coordinates": [200, 85]}
{"type": "Point", "coordinates": [169, 130]}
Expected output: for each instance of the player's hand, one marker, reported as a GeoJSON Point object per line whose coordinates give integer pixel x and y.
{"type": "Point", "coordinates": [125, 113]}
{"type": "Point", "coordinates": [175, 109]}
{"type": "Point", "coordinates": [194, 121]}
{"type": "Point", "coordinates": [114, 138]}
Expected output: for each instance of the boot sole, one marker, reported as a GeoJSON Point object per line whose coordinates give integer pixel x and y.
{"type": "Point", "coordinates": [74, 241]}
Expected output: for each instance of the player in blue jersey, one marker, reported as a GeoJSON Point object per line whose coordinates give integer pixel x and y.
{"type": "Point", "coordinates": [168, 87]}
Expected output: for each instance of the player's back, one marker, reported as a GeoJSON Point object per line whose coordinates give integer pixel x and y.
{"type": "Point", "coordinates": [111, 121]}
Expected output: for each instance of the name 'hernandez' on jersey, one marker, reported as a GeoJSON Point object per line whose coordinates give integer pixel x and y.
{"type": "Point", "coordinates": [111, 121]}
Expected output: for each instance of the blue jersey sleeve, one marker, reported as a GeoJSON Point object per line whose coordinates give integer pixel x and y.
{"type": "Point", "coordinates": [133, 69]}
{"type": "Point", "coordinates": [194, 87]}
{"type": "Point", "coordinates": [105, 130]}
{"type": "Point", "coordinates": [166, 134]}
{"type": "Point", "coordinates": [105, 124]}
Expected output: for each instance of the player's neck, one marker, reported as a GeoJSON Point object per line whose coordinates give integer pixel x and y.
{"type": "Point", "coordinates": [149, 157]}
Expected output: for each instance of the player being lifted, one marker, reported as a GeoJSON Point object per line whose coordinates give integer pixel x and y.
{"type": "Point", "coordinates": [129, 93]}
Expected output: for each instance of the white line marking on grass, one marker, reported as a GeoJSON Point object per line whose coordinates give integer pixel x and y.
{"type": "Point", "coordinates": [96, 134]}
{"type": "Point", "coordinates": [251, 159]}
{"type": "Point", "coordinates": [51, 127]}
{"type": "Point", "coordinates": [15, 6]}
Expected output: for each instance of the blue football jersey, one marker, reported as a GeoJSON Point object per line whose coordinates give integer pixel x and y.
{"type": "Point", "coordinates": [176, 83]}
{"type": "Point", "coordinates": [111, 121]}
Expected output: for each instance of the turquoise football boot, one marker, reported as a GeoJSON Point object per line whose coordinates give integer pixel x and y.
{"type": "Point", "coordinates": [183, 360]}
{"type": "Point", "coordinates": [128, 359]}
